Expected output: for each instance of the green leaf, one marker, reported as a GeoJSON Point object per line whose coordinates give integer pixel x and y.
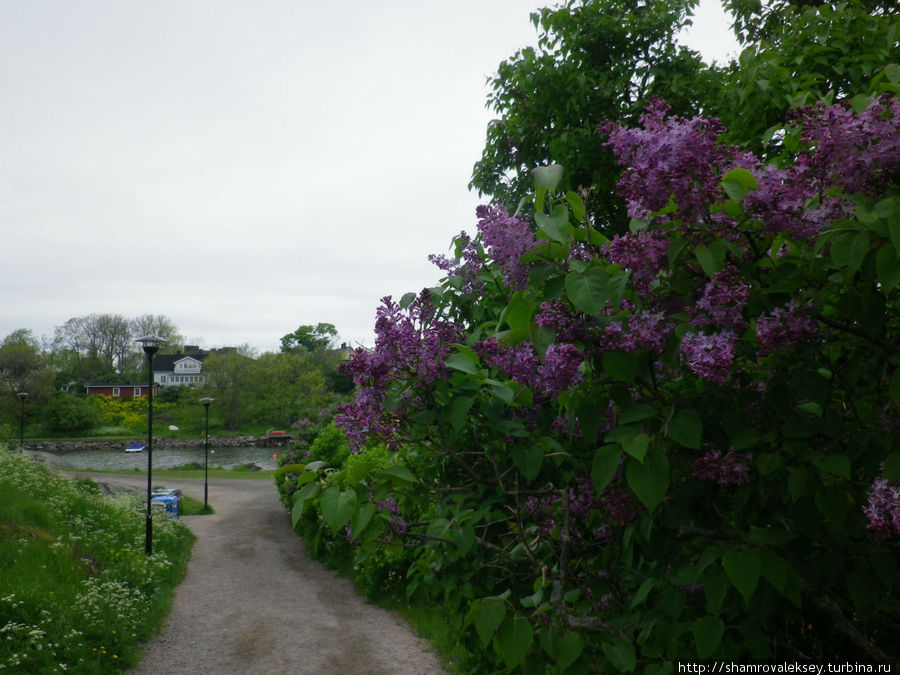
{"type": "Point", "coordinates": [848, 251]}
{"type": "Point", "coordinates": [891, 468]}
{"type": "Point", "coordinates": [513, 640]}
{"type": "Point", "coordinates": [397, 472]}
{"type": "Point", "coordinates": [576, 204]}
{"type": "Point", "coordinates": [488, 613]}
{"type": "Point", "coordinates": [568, 649]}
{"type": "Point", "coordinates": [459, 411]}
{"type": "Point", "coordinates": [361, 519]}
{"type": "Point", "coordinates": [649, 480]}
{"type": "Point", "coordinates": [708, 632]}
{"type": "Point", "coordinates": [643, 592]}
{"type": "Point", "coordinates": [637, 413]}
{"type": "Point", "coordinates": [620, 654]}
{"type": "Point", "coordinates": [636, 446]}
{"type": "Point", "coordinates": [894, 232]}
{"type": "Point", "coordinates": [463, 361]}
{"type": "Point", "coordinates": [589, 290]}
{"type": "Point", "coordinates": [300, 498]}
{"type": "Point", "coordinates": [606, 462]}
{"type": "Point", "coordinates": [547, 177]}
{"type": "Point", "coordinates": [528, 459]}
{"type": "Point", "coordinates": [464, 538]}
{"type": "Point", "coordinates": [338, 507]}
{"type": "Point", "coordinates": [892, 71]}
{"type": "Point", "coordinates": [711, 258]}
{"type": "Point", "coordinates": [836, 465]}
{"type": "Point", "coordinates": [894, 387]}
{"type": "Point", "coordinates": [556, 226]}
{"type": "Point", "coordinates": [743, 568]}
{"type": "Point", "coordinates": [738, 182]}
{"type": "Point", "coordinates": [623, 366]}
{"type": "Point", "coordinates": [888, 268]}
{"type": "Point", "coordinates": [518, 312]}
{"type": "Point", "coordinates": [686, 428]}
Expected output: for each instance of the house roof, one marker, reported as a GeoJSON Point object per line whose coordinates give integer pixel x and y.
{"type": "Point", "coordinates": [168, 361]}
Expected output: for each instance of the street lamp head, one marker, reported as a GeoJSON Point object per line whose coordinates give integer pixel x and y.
{"type": "Point", "coordinates": [22, 395]}
{"type": "Point", "coordinates": [150, 343]}
{"type": "Point", "coordinates": [206, 401]}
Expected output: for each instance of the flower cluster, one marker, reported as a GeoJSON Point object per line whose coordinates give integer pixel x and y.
{"type": "Point", "coordinates": [786, 327]}
{"type": "Point", "coordinates": [520, 361]}
{"type": "Point", "coordinates": [559, 371]}
{"type": "Point", "coordinates": [723, 301]}
{"type": "Point", "coordinates": [732, 468]}
{"type": "Point", "coordinates": [645, 253]}
{"type": "Point", "coordinates": [709, 356]}
{"type": "Point", "coordinates": [883, 508]}
{"type": "Point", "coordinates": [410, 342]}
{"type": "Point", "coordinates": [671, 156]}
{"type": "Point", "coordinates": [506, 238]}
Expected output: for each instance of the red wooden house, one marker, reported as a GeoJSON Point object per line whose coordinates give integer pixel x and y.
{"type": "Point", "coordinates": [120, 390]}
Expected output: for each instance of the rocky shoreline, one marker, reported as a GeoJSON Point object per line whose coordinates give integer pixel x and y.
{"type": "Point", "coordinates": [61, 447]}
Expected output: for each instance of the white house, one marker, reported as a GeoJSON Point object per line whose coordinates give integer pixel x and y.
{"type": "Point", "coordinates": [180, 370]}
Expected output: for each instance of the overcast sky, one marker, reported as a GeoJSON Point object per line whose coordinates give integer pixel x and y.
{"type": "Point", "coordinates": [243, 167]}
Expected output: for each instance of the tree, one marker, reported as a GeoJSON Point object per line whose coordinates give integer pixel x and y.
{"type": "Point", "coordinates": [293, 386]}
{"type": "Point", "coordinates": [309, 338]}
{"type": "Point", "coordinates": [23, 369]}
{"type": "Point", "coordinates": [595, 61]}
{"type": "Point", "coordinates": [231, 379]}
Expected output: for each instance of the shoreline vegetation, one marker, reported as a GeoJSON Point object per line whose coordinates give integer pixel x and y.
{"type": "Point", "coordinates": [64, 445]}
{"type": "Point", "coordinates": [78, 592]}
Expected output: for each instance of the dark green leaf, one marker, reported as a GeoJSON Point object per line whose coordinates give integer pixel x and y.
{"type": "Point", "coordinates": [606, 462]}
{"type": "Point", "coordinates": [588, 290]}
{"type": "Point", "coordinates": [488, 614]}
{"type": "Point", "coordinates": [649, 480]}
{"type": "Point", "coordinates": [528, 459]}
{"type": "Point", "coordinates": [636, 446]}
{"type": "Point", "coordinates": [300, 498]}
{"type": "Point", "coordinates": [686, 428]}
{"type": "Point", "coordinates": [891, 468]}
{"type": "Point", "coordinates": [708, 632]}
{"type": "Point", "coordinates": [848, 250]}
{"type": "Point", "coordinates": [361, 519]}
{"type": "Point", "coordinates": [738, 182]}
{"type": "Point", "coordinates": [464, 362]}
{"type": "Point", "coordinates": [743, 568]}
{"type": "Point", "coordinates": [888, 268]}
{"type": "Point", "coordinates": [620, 654]}
{"type": "Point", "coordinates": [459, 411]}
{"type": "Point", "coordinates": [513, 640]}
{"type": "Point", "coordinates": [621, 365]}
{"type": "Point", "coordinates": [338, 507]}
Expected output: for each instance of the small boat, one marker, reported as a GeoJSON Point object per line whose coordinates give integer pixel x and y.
{"type": "Point", "coordinates": [135, 448]}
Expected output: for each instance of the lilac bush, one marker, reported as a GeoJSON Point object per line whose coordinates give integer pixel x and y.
{"type": "Point", "coordinates": [671, 444]}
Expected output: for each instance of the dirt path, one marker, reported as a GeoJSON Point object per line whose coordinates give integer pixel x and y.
{"type": "Point", "coordinates": [254, 602]}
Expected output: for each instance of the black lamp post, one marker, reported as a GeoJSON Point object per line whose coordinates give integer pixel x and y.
{"type": "Point", "coordinates": [151, 344]}
{"type": "Point", "coordinates": [22, 396]}
{"type": "Point", "coordinates": [206, 401]}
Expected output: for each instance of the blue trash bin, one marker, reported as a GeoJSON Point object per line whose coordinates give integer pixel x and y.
{"type": "Point", "coordinates": [168, 503]}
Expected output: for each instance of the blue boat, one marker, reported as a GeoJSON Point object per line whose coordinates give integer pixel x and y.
{"type": "Point", "coordinates": [135, 448]}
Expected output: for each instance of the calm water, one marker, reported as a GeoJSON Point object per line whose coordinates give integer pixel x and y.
{"type": "Point", "coordinates": [163, 458]}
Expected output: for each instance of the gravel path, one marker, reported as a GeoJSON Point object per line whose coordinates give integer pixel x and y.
{"type": "Point", "coordinates": [254, 602]}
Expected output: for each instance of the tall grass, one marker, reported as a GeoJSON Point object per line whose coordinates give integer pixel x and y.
{"type": "Point", "coordinates": [77, 592]}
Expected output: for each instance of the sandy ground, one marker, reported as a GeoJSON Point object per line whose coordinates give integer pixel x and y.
{"type": "Point", "coordinates": [254, 602]}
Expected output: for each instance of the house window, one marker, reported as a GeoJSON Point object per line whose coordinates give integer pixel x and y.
{"type": "Point", "coordinates": [137, 391]}
{"type": "Point", "coordinates": [115, 391]}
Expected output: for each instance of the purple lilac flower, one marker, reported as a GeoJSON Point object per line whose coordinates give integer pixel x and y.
{"type": "Point", "coordinates": [785, 328]}
{"type": "Point", "coordinates": [518, 361]}
{"type": "Point", "coordinates": [709, 356]}
{"type": "Point", "coordinates": [506, 238]}
{"type": "Point", "coordinates": [883, 508]}
{"type": "Point", "coordinates": [467, 264]}
{"type": "Point", "coordinates": [642, 330]}
{"type": "Point", "coordinates": [559, 371]}
{"type": "Point", "coordinates": [644, 253]}
{"type": "Point", "coordinates": [723, 301]}
{"type": "Point", "coordinates": [670, 156]}
{"type": "Point", "coordinates": [728, 469]}
{"type": "Point", "coordinates": [568, 325]}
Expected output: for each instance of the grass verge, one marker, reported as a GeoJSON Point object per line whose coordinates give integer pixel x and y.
{"type": "Point", "coordinates": [77, 592]}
